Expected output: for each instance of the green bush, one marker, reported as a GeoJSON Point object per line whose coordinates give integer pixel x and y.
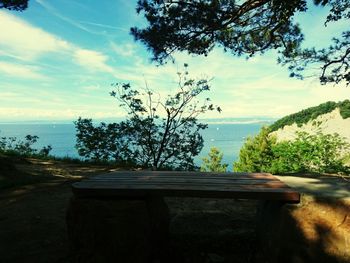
{"type": "Point", "coordinates": [212, 163]}
{"type": "Point", "coordinates": [344, 108]}
{"type": "Point", "coordinates": [307, 153]}
{"type": "Point", "coordinates": [14, 146]}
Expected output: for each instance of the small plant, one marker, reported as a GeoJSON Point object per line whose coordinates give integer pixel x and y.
{"type": "Point", "coordinates": [45, 151]}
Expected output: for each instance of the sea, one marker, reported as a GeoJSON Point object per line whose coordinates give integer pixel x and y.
{"type": "Point", "coordinates": [227, 137]}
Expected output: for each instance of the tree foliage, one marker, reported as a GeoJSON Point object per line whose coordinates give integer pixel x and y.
{"type": "Point", "coordinates": [213, 163]}
{"type": "Point", "coordinates": [104, 142]}
{"type": "Point", "coordinates": [17, 5]}
{"type": "Point", "coordinates": [156, 133]}
{"type": "Point", "coordinates": [307, 153]}
{"type": "Point", "coordinates": [243, 28]}
{"type": "Point", "coordinates": [196, 26]}
{"type": "Point", "coordinates": [256, 154]}
{"type": "Point", "coordinates": [333, 61]}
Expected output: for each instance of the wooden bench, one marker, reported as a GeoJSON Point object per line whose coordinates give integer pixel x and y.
{"type": "Point", "coordinates": [260, 186]}
{"type": "Point", "coordinates": [126, 212]}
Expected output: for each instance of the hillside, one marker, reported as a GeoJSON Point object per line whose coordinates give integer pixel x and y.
{"type": "Point", "coordinates": [329, 118]}
{"type": "Point", "coordinates": [312, 113]}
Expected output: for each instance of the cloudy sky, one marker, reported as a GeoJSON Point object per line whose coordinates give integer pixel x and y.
{"type": "Point", "coordinates": [58, 59]}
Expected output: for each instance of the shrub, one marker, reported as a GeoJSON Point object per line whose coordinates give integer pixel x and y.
{"type": "Point", "coordinates": [212, 163]}
{"type": "Point", "coordinates": [14, 146]}
{"type": "Point", "coordinates": [310, 152]}
{"type": "Point", "coordinates": [307, 153]}
{"type": "Point", "coordinates": [345, 109]}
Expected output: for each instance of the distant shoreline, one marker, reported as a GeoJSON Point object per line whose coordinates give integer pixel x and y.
{"type": "Point", "coordinates": [226, 136]}
{"type": "Point", "coordinates": [255, 120]}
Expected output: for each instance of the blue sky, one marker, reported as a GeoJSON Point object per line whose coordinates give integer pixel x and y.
{"type": "Point", "coordinates": [58, 59]}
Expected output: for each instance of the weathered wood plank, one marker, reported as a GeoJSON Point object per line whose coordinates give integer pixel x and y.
{"type": "Point", "coordinates": [178, 178]}
{"type": "Point", "coordinates": [170, 187]}
{"type": "Point", "coordinates": [187, 174]}
{"type": "Point", "coordinates": [192, 184]}
{"type": "Point", "coordinates": [173, 187]}
{"type": "Point", "coordinates": [219, 185]}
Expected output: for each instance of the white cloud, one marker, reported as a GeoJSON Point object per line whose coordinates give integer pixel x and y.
{"type": "Point", "coordinates": [21, 71]}
{"type": "Point", "coordinates": [241, 87]}
{"type": "Point", "coordinates": [226, 70]}
{"type": "Point", "coordinates": [92, 60]}
{"type": "Point", "coordinates": [321, 93]}
{"type": "Point", "coordinates": [91, 87]}
{"type": "Point", "coordinates": [36, 113]}
{"type": "Point", "coordinates": [8, 95]}
{"type": "Point", "coordinates": [224, 66]}
{"type": "Point", "coordinates": [126, 50]}
{"type": "Point", "coordinates": [24, 41]}
{"type": "Point", "coordinates": [7, 113]}
{"type": "Point", "coordinates": [20, 38]}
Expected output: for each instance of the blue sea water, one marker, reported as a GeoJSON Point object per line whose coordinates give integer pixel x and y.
{"type": "Point", "coordinates": [227, 137]}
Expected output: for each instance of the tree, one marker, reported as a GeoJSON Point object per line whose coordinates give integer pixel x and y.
{"type": "Point", "coordinates": [256, 154]}
{"type": "Point", "coordinates": [17, 5]}
{"type": "Point", "coordinates": [156, 133]}
{"type": "Point", "coordinates": [212, 163]}
{"type": "Point", "coordinates": [244, 28]}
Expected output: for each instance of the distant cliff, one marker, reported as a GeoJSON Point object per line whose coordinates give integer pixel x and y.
{"type": "Point", "coordinates": [309, 114]}
{"type": "Point", "coordinates": [329, 118]}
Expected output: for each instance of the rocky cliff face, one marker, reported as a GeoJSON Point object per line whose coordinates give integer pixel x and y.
{"type": "Point", "coordinates": [328, 123]}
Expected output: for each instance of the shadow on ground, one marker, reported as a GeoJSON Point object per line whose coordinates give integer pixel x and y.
{"type": "Point", "coordinates": [33, 226]}
{"type": "Point", "coordinates": [316, 230]}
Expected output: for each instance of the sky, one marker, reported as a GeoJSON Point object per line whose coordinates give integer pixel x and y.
{"type": "Point", "coordinates": [59, 57]}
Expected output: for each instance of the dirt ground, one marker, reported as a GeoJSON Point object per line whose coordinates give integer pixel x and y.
{"type": "Point", "coordinates": [33, 227]}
